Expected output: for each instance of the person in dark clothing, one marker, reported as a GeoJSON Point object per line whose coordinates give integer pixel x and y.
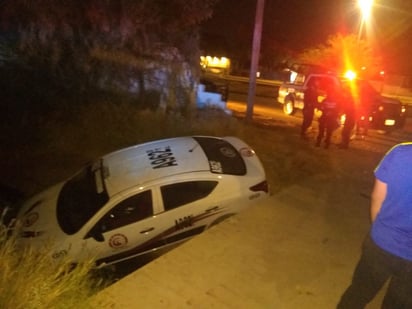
{"type": "Point", "coordinates": [328, 121]}
{"type": "Point", "coordinates": [310, 102]}
{"type": "Point", "coordinates": [348, 108]}
{"type": "Point", "coordinates": [367, 96]}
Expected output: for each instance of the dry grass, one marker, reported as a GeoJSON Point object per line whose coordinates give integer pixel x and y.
{"type": "Point", "coordinates": [30, 279]}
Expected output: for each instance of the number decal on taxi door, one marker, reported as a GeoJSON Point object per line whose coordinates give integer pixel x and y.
{"type": "Point", "coordinates": [184, 222]}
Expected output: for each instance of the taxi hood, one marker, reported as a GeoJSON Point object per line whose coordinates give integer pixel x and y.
{"type": "Point", "coordinates": [37, 216]}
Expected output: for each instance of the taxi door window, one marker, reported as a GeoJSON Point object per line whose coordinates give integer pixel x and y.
{"type": "Point", "coordinates": [128, 211]}
{"type": "Point", "coordinates": [182, 193]}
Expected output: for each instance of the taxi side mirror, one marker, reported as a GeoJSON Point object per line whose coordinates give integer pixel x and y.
{"type": "Point", "coordinates": [96, 234]}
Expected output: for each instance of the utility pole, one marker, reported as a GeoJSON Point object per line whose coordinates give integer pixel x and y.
{"type": "Point", "coordinates": [257, 34]}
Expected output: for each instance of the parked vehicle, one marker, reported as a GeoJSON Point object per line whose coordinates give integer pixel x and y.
{"type": "Point", "coordinates": [373, 110]}
{"type": "Point", "coordinates": [376, 111]}
{"type": "Point", "coordinates": [291, 93]}
{"type": "Point", "coordinates": [142, 198]}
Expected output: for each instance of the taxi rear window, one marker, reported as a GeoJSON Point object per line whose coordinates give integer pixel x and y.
{"type": "Point", "coordinates": [222, 156]}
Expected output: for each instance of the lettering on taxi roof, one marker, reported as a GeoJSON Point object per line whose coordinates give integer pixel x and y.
{"type": "Point", "coordinates": [161, 157]}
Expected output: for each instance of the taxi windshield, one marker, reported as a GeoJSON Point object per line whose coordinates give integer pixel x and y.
{"type": "Point", "coordinates": [81, 197]}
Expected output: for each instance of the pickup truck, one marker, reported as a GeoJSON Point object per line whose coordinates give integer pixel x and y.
{"type": "Point", "coordinates": [373, 109]}
{"type": "Point", "coordinates": [291, 93]}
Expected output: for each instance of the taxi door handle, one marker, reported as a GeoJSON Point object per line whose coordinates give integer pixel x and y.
{"type": "Point", "coordinates": [147, 230]}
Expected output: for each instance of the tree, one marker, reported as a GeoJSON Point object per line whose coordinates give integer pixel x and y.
{"type": "Point", "coordinates": [110, 44]}
{"type": "Point", "coordinates": [341, 53]}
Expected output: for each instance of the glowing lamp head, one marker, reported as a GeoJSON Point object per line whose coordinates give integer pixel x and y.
{"type": "Point", "coordinates": [365, 8]}
{"type": "Point", "coordinates": [350, 75]}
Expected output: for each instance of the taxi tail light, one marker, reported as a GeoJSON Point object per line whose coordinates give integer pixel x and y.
{"type": "Point", "coordinates": [262, 186]}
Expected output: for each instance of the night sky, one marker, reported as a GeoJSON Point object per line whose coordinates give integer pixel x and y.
{"type": "Point", "coordinates": [294, 25]}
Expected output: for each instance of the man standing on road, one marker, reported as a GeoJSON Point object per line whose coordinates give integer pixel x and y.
{"type": "Point", "coordinates": [310, 102]}
{"type": "Point", "coordinates": [387, 250]}
{"type": "Point", "coordinates": [328, 121]}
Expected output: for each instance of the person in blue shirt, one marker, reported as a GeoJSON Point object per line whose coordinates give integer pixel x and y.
{"type": "Point", "coordinates": [387, 250]}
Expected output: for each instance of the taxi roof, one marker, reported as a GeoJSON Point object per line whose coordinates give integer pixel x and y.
{"type": "Point", "coordinates": [140, 164]}
{"type": "Point", "coordinates": [149, 161]}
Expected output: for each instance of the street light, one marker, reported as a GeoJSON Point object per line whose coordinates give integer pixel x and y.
{"type": "Point", "coordinates": [365, 7]}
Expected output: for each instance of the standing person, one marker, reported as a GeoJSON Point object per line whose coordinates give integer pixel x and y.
{"type": "Point", "coordinates": [367, 95]}
{"type": "Point", "coordinates": [328, 121]}
{"type": "Point", "coordinates": [387, 250]}
{"type": "Point", "coordinates": [310, 102]}
{"type": "Point", "coordinates": [348, 108]}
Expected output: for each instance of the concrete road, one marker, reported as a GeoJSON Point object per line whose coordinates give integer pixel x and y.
{"type": "Point", "coordinates": [296, 250]}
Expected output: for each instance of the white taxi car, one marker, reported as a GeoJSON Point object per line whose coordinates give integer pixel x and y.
{"type": "Point", "coordinates": [143, 198]}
